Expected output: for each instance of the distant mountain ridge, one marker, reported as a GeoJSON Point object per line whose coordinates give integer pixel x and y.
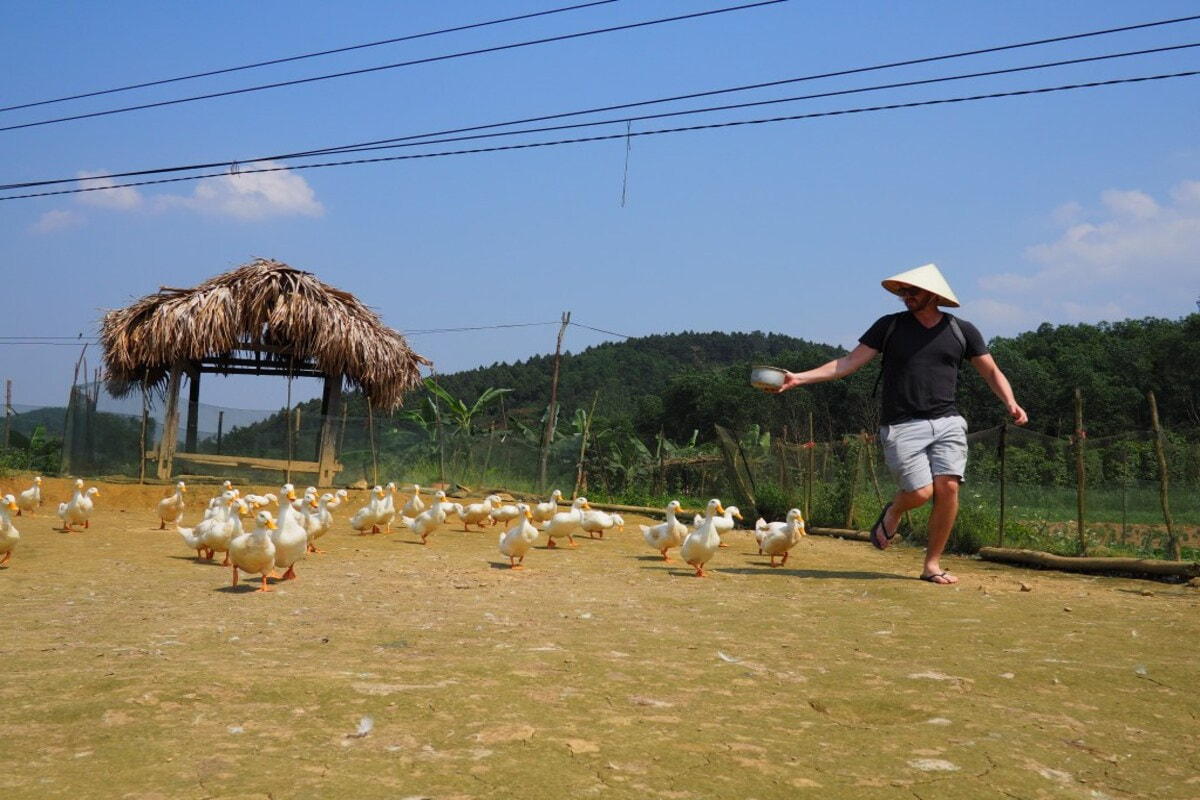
{"type": "Point", "coordinates": [615, 374]}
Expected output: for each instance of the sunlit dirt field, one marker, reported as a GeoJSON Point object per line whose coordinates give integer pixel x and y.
{"type": "Point", "coordinates": [389, 669]}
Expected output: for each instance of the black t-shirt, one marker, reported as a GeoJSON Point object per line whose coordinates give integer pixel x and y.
{"type": "Point", "coordinates": [920, 367]}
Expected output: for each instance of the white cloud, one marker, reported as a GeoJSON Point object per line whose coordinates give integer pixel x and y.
{"type": "Point", "coordinates": [252, 195]}
{"type": "Point", "coordinates": [118, 199]}
{"type": "Point", "coordinates": [1127, 256]}
{"type": "Point", "coordinates": [56, 221]}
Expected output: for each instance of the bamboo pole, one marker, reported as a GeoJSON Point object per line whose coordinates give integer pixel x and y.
{"type": "Point", "coordinates": [869, 445]}
{"type": "Point", "coordinates": [580, 472]}
{"type": "Point", "coordinates": [142, 439]}
{"type": "Point", "coordinates": [549, 436]}
{"type": "Point", "coordinates": [1003, 481]}
{"type": "Point", "coordinates": [1080, 475]}
{"type": "Point", "coordinates": [812, 468]}
{"type": "Point", "coordinates": [8, 409]}
{"type": "Point", "coordinates": [371, 442]}
{"type": "Point", "coordinates": [855, 477]}
{"type": "Point", "coordinates": [1123, 566]}
{"type": "Point", "coordinates": [1161, 452]}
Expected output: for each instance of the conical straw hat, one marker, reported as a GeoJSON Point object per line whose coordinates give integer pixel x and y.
{"type": "Point", "coordinates": [928, 278]}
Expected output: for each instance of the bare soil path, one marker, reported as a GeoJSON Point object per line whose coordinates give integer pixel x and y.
{"type": "Point", "coordinates": [132, 670]}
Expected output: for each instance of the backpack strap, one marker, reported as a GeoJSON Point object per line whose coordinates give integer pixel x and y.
{"type": "Point", "coordinates": [955, 329]}
{"type": "Point", "coordinates": [883, 351]}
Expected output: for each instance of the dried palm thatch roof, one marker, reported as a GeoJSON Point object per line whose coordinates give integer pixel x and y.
{"type": "Point", "coordinates": [267, 310]}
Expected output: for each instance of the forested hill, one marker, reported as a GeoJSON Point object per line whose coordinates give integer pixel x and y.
{"type": "Point", "coordinates": [616, 374]}
{"type": "Point", "coordinates": [686, 381]}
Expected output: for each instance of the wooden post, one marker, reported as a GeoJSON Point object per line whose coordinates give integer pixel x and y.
{"type": "Point", "coordinates": [170, 435]}
{"type": "Point", "coordinates": [371, 437]}
{"type": "Point", "coordinates": [220, 429]}
{"type": "Point", "coordinates": [1080, 476]}
{"type": "Point", "coordinates": [7, 408]}
{"type": "Point", "coordinates": [869, 444]}
{"type": "Point", "coordinates": [142, 439]}
{"type": "Point", "coordinates": [331, 399]}
{"type": "Point", "coordinates": [1003, 481]}
{"type": "Point", "coordinates": [580, 472]}
{"type": "Point", "coordinates": [193, 409]}
{"type": "Point", "coordinates": [781, 459]}
{"type": "Point", "coordinates": [287, 424]}
{"type": "Point", "coordinates": [812, 467]}
{"type": "Point", "coordinates": [1161, 452]}
{"type": "Point", "coordinates": [858, 459]}
{"type": "Point", "coordinates": [549, 435]}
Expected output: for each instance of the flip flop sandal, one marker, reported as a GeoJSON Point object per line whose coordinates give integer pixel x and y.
{"type": "Point", "coordinates": [882, 544]}
{"type": "Point", "coordinates": [935, 578]}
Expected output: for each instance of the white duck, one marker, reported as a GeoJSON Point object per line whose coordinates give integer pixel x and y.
{"type": "Point", "coordinates": [562, 523]}
{"type": "Point", "coordinates": [338, 497]}
{"type": "Point", "coordinates": [387, 510]}
{"type": "Point", "coordinates": [438, 501]}
{"type": "Point", "coordinates": [781, 537]}
{"type": "Point", "coordinates": [668, 534]}
{"type": "Point", "coordinates": [429, 520]}
{"type": "Point", "coordinates": [724, 522]}
{"type": "Point", "coordinates": [517, 540]}
{"type": "Point", "coordinates": [318, 521]}
{"type": "Point", "coordinates": [31, 498]}
{"type": "Point", "coordinates": [218, 531]}
{"type": "Point", "coordinates": [254, 552]}
{"type": "Point", "coordinates": [290, 536]}
{"type": "Point", "coordinates": [260, 501]}
{"type": "Point", "coordinates": [9, 535]}
{"type": "Point", "coordinates": [596, 521]}
{"type": "Point", "coordinates": [506, 512]}
{"type": "Point", "coordinates": [213, 517]}
{"type": "Point", "coordinates": [701, 544]}
{"type": "Point", "coordinates": [366, 519]}
{"type": "Point", "coordinates": [542, 512]}
{"type": "Point", "coordinates": [476, 513]}
{"type": "Point", "coordinates": [170, 508]}
{"type": "Point", "coordinates": [78, 509]}
{"type": "Point", "coordinates": [415, 504]}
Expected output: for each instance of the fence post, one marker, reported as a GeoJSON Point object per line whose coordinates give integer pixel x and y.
{"type": "Point", "coordinates": [1003, 481]}
{"type": "Point", "coordinates": [812, 468]}
{"type": "Point", "coordinates": [1080, 477]}
{"type": "Point", "coordinates": [1161, 452]}
{"type": "Point", "coordinates": [858, 459]}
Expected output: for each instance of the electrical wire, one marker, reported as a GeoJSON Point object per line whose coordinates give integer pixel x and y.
{"type": "Point", "coordinates": [287, 59]}
{"type": "Point", "coordinates": [368, 70]}
{"type": "Point", "coordinates": [626, 134]}
{"type": "Point", "coordinates": [415, 140]}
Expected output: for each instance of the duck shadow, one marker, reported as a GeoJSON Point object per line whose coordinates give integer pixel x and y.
{"type": "Point", "coordinates": [194, 560]}
{"type": "Point", "coordinates": [766, 569]}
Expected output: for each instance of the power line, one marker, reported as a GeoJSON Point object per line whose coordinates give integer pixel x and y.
{"type": "Point", "coordinates": [318, 54]}
{"type": "Point", "coordinates": [427, 138]}
{"type": "Point", "coordinates": [414, 62]}
{"type": "Point", "coordinates": [765, 85]}
{"type": "Point", "coordinates": [627, 134]}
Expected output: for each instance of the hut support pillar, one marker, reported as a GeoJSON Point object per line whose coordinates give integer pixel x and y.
{"type": "Point", "coordinates": [170, 434]}
{"type": "Point", "coordinates": [331, 400]}
{"type": "Point", "coordinates": [193, 409]}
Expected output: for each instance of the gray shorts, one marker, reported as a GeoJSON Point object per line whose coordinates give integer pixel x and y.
{"type": "Point", "coordinates": [917, 450]}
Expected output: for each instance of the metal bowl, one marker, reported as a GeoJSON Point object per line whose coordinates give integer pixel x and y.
{"type": "Point", "coordinates": [767, 377]}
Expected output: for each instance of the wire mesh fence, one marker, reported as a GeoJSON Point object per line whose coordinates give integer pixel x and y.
{"type": "Point", "coordinates": [1021, 487]}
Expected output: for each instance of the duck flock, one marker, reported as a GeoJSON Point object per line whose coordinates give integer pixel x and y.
{"type": "Point", "coordinates": [277, 540]}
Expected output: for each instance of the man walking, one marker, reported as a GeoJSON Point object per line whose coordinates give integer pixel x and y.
{"type": "Point", "coordinates": [923, 435]}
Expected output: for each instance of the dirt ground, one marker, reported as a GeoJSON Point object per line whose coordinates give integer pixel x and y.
{"type": "Point", "coordinates": [132, 670]}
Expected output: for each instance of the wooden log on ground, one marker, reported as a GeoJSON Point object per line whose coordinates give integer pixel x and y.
{"type": "Point", "coordinates": [841, 533]}
{"type": "Point", "coordinates": [1092, 565]}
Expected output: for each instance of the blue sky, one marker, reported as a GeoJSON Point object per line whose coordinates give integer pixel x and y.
{"type": "Point", "coordinates": [1059, 207]}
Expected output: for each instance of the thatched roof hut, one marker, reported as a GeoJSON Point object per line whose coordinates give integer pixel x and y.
{"type": "Point", "coordinates": [262, 318]}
